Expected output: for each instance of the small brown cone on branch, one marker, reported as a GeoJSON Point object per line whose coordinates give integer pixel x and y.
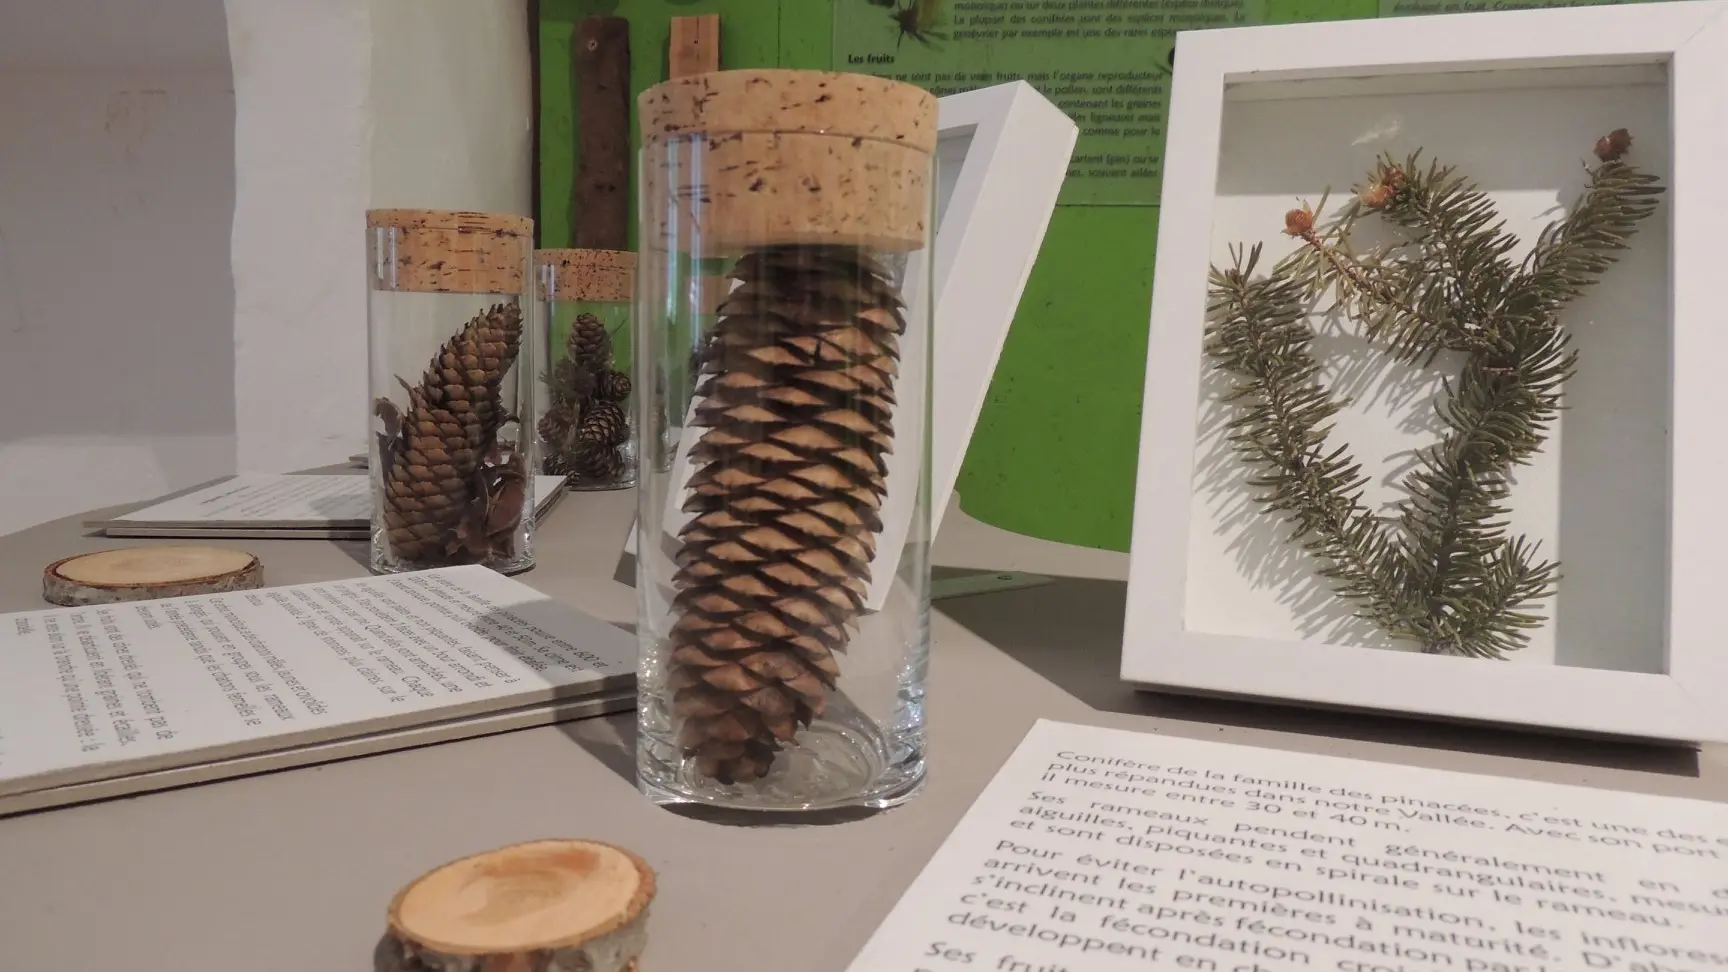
{"type": "Point", "coordinates": [451, 422]}
{"type": "Point", "coordinates": [796, 397]}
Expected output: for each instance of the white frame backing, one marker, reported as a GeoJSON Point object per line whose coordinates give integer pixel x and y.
{"type": "Point", "coordinates": [991, 230]}
{"type": "Point", "coordinates": [1683, 706]}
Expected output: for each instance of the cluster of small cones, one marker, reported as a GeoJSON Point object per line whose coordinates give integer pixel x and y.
{"type": "Point", "coordinates": [584, 429]}
{"type": "Point", "coordinates": [796, 396]}
{"type": "Point", "coordinates": [453, 492]}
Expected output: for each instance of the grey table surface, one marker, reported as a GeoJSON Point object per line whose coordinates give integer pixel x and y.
{"type": "Point", "coordinates": [292, 870]}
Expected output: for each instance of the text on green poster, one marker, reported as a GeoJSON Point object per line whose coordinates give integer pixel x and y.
{"type": "Point", "coordinates": [1106, 63]}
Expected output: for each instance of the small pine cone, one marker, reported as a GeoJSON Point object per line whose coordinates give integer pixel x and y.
{"type": "Point", "coordinates": [1299, 222]}
{"type": "Point", "coordinates": [452, 418]}
{"type": "Point", "coordinates": [570, 382]}
{"type": "Point", "coordinates": [589, 343]}
{"type": "Point", "coordinates": [1613, 146]}
{"type": "Point", "coordinates": [603, 423]}
{"type": "Point", "coordinates": [600, 464]}
{"type": "Point", "coordinates": [556, 424]}
{"type": "Point", "coordinates": [613, 386]}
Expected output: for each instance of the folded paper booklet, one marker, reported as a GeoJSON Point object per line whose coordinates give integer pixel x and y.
{"type": "Point", "coordinates": [1100, 849]}
{"type": "Point", "coordinates": [270, 506]}
{"type": "Point", "coordinates": [121, 698]}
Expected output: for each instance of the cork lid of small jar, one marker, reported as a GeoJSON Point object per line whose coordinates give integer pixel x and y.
{"type": "Point", "coordinates": [787, 157]}
{"type": "Point", "coordinates": [785, 101]}
{"type": "Point", "coordinates": [452, 220]}
{"type": "Point", "coordinates": [452, 251]}
{"type": "Point", "coordinates": [603, 276]}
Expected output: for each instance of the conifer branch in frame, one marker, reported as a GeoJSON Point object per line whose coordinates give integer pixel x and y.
{"type": "Point", "coordinates": [1445, 572]}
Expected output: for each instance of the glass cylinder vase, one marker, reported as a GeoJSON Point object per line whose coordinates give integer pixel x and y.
{"type": "Point", "coordinates": [452, 366]}
{"type": "Point", "coordinates": [587, 434]}
{"type": "Point", "coordinates": [783, 560]}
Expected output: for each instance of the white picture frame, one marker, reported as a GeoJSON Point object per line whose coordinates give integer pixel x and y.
{"type": "Point", "coordinates": [1172, 640]}
{"type": "Point", "coordinates": [1002, 156]}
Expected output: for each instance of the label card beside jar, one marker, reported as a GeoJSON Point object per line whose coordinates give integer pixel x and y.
{"type": "Point", "coordinates": [1104, 849]}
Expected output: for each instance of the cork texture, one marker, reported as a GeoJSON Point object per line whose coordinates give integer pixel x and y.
{"type": "Point", "coordinates": [764, 157]}
{"type": "Point", "coordinates": [600, 275]}
{"type": "Point", "coordinates": [751, 189]}
{"type": "Point", "coordinates": [781, 100]}
{"type": "Point", "coordinates": [441, 251]}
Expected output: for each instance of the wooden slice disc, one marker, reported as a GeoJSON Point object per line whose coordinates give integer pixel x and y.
{"type": "Point", "coordinates": [533, 907]}
{"type": "Point", "coordinates": [146, 573]}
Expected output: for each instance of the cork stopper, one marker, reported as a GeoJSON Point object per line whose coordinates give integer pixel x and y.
{"type": "Point", "coordinates": [598, 275]}
{"type": "Point", "coordinates": [443, 251]}
{"type": "Point", "coordinates": [789, 157]}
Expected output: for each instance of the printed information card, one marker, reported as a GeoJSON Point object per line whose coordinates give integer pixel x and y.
{"type": "Point", "coordinates": [1098, 849]}
{"type": "Point", "coordinates": [109, 690]}
{"type": "Point", "coordinates": [294, 501]}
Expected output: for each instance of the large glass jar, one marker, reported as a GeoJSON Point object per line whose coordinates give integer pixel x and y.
{"type": "Point", "coordinates": [584, 420]}
{"type": "Point", "coordinates": [452, 457]}
{"type": "Point", "coordinates": [783, 562]}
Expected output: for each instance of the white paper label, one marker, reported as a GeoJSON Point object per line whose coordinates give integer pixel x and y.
{"type": "Point", "coordinates": [290, 499]}
{"type": "Point", "coordinates": [1100, 849]}
{"type": "Point", "coordinates": [269, 498]}
{"type": "Point", "coordinates": [82, 688]}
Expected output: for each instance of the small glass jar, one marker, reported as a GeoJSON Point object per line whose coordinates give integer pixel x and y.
{"type": "Point", "coordinates": [783, 563]}
{"type": "Point", "coordinates": [586, 430]}
{"type": "Point", "coordinates": [452, 365]}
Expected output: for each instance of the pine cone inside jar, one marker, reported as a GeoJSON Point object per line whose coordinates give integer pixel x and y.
{"type": "Point", "coordinates": [797, 397]}
{"type": "Point", "coordinates": [449, 427]}
{"type": "Point", "coordinates": [557, 424]}
{"type": "Point", "coordinates": [571, 382]}
{"type": "Point", "coordinates": [612, 386]}
{"type": "Point", "coordinates": [603, 423]}
{"type": "Point", "coordinates": [597, 463]}
{"type": "Point", "coordinates": [589, 344]}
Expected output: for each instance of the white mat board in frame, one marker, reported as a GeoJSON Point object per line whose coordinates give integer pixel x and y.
{"type": "Point", "coordinates": [1001, 158]}
{"type": "Point", "coordinates": [1678, 52]}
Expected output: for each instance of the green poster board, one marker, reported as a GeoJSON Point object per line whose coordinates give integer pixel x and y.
{"type": "Point", "coordinates": [1105, 63]}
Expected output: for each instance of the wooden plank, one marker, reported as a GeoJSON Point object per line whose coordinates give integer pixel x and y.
{"type": "Point", "coordinates": [600, 65]}
{"type": "Point", "coordinates": [695, 45]}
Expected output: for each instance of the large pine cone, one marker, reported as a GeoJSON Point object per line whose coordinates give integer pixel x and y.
{"type": "Point", "coordinates": [451, 421]}
{"type": "Point", "coordinates": [589, 344]}
{"type": "Point", "coordinates": [797, 400]}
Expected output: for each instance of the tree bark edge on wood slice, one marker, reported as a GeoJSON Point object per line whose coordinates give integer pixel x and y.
{"type": "Point", "coordinates": [555, 905]}
{"type": "Point", "coordinates": [149, 573]}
